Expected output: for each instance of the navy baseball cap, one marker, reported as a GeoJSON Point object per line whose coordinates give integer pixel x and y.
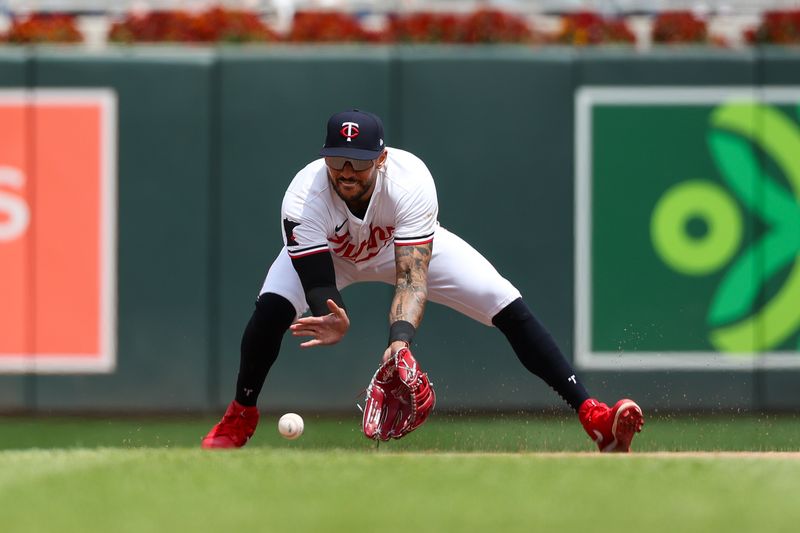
{"type": "Point", "coordinates": [354, 134]}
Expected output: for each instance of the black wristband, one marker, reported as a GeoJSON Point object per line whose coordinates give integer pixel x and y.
{"type": "Point", "coordinates": [402, 330]}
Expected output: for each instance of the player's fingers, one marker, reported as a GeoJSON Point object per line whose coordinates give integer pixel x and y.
{"type": "Point", "coordinates": [311, 343]}
{"type": "Point", "coordinates": [308, 320]}
{"type": "Point", "coordinates": [337, 311]}
{"type": "Point", "coordinates": [332, 307]}
{"type": "Point", "coordinates": [321, 339]}
{"type": "Point", "coordinates": [304, 332]}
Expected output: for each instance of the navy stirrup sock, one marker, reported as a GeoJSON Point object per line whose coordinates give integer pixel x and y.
{"type": "Point", "coordinates": [261, 343]}
{"type": "Point", "coordinates": [537, 350]}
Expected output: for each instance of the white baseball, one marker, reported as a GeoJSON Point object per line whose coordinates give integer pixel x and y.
{"type": "Point", "coordinates": [291, 426]}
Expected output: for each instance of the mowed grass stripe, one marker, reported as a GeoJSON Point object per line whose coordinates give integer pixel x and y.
{"type": "Point", "coordinates": [338, 490]}
{"type": "Point", "coordinates": [442, 432]}
{"type": "Point", "coordinates": [31, 467]}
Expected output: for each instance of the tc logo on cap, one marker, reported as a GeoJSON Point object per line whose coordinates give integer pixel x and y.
{"type": "Point", "coordinates": [349, 130]}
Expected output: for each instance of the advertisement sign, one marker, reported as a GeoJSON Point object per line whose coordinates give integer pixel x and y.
{"type": "Point", "coordinates": [687, 227]}
{"type": "Point", "coordinates": [57, 230]}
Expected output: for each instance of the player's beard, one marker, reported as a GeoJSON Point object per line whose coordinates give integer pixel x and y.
{"type": "Point", "coordinates": [354, 192]}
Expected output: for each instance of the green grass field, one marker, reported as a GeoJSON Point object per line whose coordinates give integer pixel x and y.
{"type": "Point", "coordinates": [456, 473]}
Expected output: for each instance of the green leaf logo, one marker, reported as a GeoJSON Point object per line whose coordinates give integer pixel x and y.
{"type": "Point", "coordinates": [738, 129]}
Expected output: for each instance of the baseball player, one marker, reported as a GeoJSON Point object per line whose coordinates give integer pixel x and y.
{"type": "Point", "coordinates": [368, 212]}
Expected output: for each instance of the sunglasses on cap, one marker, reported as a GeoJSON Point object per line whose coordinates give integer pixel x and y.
{"type": "Point", "coordinates": [337, 163]}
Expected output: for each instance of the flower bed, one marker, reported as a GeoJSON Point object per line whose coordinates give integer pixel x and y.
{"type": "Point", "coordinates": [327, 27]}
{"type": "Point", "coordinates": [43, 28]}
{"type": "Point", "coordinates": [214, 25]}
{"type": "Point", "coordinates": [777, 27]}
{"type": "Point", "coordinates": [482, 26]}
{"type": "Point", "coordinates": [310, 26]}
{"type": "Point", "coordinates": [587, 28]}
{"type": "Point", "coordinates": [679, 27]}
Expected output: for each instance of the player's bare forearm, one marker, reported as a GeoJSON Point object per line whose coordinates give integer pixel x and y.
{"type": "Point", "coordinates": [411, 287]}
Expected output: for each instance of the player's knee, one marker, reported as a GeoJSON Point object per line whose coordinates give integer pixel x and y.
{"type": "Point", "coordinates": [514, 313]}
{"type": "Point", "coordinates": [275, 310]}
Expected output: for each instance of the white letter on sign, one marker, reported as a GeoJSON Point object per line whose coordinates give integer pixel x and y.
{"type": "Point", "coordinates": [14, 212]}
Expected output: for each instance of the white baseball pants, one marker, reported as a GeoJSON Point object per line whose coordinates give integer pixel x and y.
{"type": "Point", "coordinates": [458, 277]}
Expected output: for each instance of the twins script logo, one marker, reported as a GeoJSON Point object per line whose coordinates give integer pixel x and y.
{"type": "Point", "coordinates": [344, 247]}
{"type": "Point", "coordinates": [349, 130]}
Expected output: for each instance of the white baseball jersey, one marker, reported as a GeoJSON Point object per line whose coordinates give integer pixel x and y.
{"type": "Point", "coordinates": [403, 210]}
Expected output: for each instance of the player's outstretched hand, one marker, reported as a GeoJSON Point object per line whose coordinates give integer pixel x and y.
{"type": "Point", "coordinates": [328, 329]}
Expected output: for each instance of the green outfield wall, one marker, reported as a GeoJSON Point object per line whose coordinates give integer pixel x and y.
{"type": "Point", "coordinates": [647, 205]}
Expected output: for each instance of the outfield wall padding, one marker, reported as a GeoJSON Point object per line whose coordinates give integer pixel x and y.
{"type": "Point", "coordinates": [208, 140]}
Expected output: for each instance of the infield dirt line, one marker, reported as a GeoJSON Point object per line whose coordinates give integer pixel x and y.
{"type": "Point", "coordinates": [655, 455]}
{"type": "Point", "coordinates": [687, 454]}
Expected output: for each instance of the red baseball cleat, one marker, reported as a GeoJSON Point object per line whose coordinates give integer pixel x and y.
{"type": "Point", "coordinates": [234, 430]}
{"type": "Point", "coordinates": [612, 429]}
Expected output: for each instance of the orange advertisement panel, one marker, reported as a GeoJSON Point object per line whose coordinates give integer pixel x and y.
{"type": "Point", "coordinates": [15, 201]}
{"type": "Point", "coordinates": [57, 231]}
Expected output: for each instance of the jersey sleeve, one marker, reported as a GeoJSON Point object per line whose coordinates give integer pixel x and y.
{"type": "Point", "coordinates": [304, 226]}
{"type": "Point", "coordinates": [417, 214]}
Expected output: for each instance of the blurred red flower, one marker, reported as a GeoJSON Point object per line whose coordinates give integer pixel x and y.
{"type": "Point", "coordinates": [425, 27]}
{"type": "Point", "coordinates": [214, 25]}
{"type": "Point", "coordinates": [44, 28]}
{"type": "Point", "coordinates": [481, 26]}
{"type": "Point", "coordinates": [327, 27]}
{"type": "Point", "coordinates": [777, 27]}
{"type": "Point", "coordinates": [589, 28]}
{"type": "Point", "coordinates": [679, 27]}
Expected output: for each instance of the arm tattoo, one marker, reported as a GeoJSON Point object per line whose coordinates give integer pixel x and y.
{"type": "Point", "coordinates": [411, 287]}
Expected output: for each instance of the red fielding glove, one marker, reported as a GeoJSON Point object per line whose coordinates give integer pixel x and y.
{"type": "Point", "coordinates": [399, 398]}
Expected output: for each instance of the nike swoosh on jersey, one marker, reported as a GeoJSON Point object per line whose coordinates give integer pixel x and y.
{"type": "Point", "coordinates": [340, 226]}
